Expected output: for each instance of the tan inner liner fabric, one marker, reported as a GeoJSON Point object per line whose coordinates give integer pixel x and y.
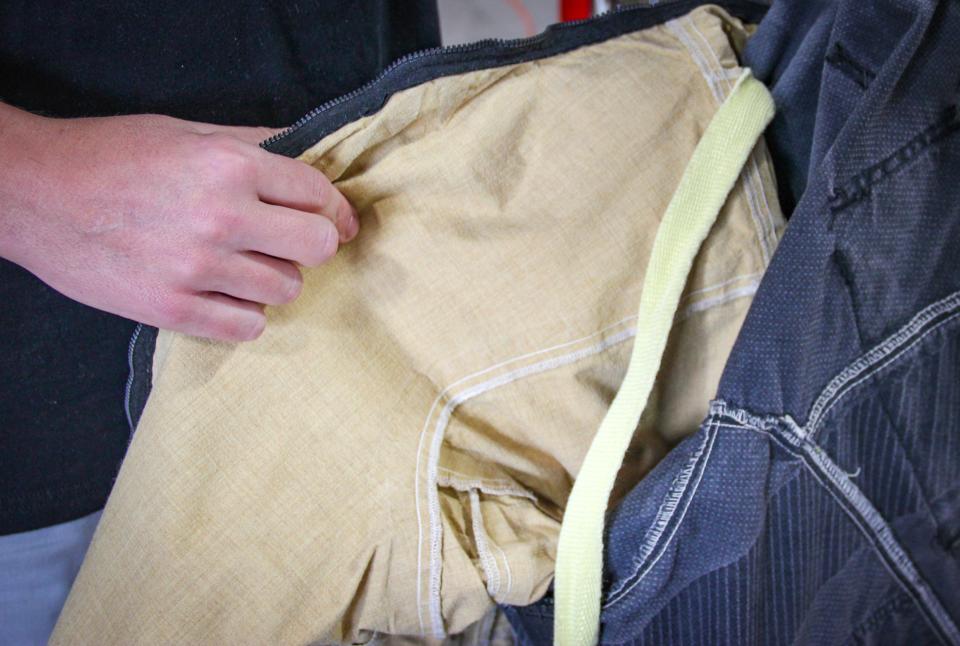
{"type": "Point", "coordinates": [394, 454]}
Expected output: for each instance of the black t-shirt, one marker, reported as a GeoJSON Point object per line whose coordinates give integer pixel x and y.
{"type": "Point", "coordinates": [63, 366]}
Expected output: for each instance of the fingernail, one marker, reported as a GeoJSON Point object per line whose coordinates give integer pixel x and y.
{"type": "Point", "coordinates": [352, 226]}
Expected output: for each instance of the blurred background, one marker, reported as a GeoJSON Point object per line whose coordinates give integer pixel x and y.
{"type": "Point", "coordinates": [464, 21]}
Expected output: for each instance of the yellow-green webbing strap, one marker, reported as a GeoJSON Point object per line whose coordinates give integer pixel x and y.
{"type": "Point", "coordinates": [710, 175]}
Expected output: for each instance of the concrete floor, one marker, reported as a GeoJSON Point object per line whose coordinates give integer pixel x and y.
{"type": "Point", "coordinates": [465, 21]}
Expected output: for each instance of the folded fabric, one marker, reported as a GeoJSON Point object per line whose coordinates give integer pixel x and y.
{"type": "Point", "coordinates": [395, 453]}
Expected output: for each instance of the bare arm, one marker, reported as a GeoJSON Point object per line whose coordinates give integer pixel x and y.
{"type": "Point", "coordinates": [183, 225]}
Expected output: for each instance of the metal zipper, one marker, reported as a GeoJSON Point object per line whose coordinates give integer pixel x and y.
{"type": "Point", "coordinates": [434, 52]}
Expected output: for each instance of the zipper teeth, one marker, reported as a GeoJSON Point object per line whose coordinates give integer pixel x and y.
{"type": "Point", "coordinates": [437, 51]}
{"type": "Point", "coordinates": [131, 375]}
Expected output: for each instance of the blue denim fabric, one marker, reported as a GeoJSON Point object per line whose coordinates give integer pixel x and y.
{"type": "Point", "coordinates": [819, 503]}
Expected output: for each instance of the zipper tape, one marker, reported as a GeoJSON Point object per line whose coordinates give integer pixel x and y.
{"type": "Point", "coordinates": [429, 64]}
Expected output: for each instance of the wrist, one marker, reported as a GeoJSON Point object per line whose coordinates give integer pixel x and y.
{"type": "Point", "coordinates": [24, 163]}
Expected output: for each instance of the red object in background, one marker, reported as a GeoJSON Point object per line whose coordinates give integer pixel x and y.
{"type": "Point", "coordinates": [575, 9]}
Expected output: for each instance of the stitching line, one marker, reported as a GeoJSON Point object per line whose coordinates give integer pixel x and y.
{"type": "Point", "coordinates": [724, 283]}
{"type": "Point", "coordinates": [675, 27]}
{"type": "Point", "coordinates": [423, 434]}
{"type": "Point", "coordinates": [713, 81]}
{"type": "Point", "coordinates": [491, 488]}
{"type": "Point", "coordinates": [506, 567]}
{"type": "Point", "coordinates": [893, 347]}
{"type": "Point", "coordinates": [694, 308]}
{"type": "Point", "coordinates": [708, 303]}
{"type": "Point", "coordinates": [437, 440]}
{"type": "Point", "coordinates": [488, 563]}
{"type": "Point", "coordinates": [858, 187]}
{"type": "Point", "coordinates": [878, 532]}
{"type": "Point", "coordinates": [751, 179]}
{"type": "Point", "coordinates": [845, 64]}
{"type": "Point", "coordinates": [696, 466]}
{"type": "Point", "coordinates": [861, 511]}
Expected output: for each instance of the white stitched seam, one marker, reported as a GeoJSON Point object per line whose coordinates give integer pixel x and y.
{"type": "Point", "coordinates": [423, 433]}
{"type": "Point", "coordinates": [847, 379]}
{"type": "Point", "coordinates": [731, 74]}
{"type": "Point", "coordinates": [896, 350]}
{"type": "Point", "coordinates": [709, 303]}
{"type": "Point", "coordinates": [711, 441]}
{"type": "Point", "coordinates": [724, 283]}
{"type": "Point", "coordinates": [676, 28]}
{"type": "Point", "coordinates": [437, 440]}
{"type": "Point", "coordinates": [721, 408]}
{"type": "Point", "coordinates": [499, 365]}
{"type": "Point", "coordinates": [488, 563]}
{"type": "Point", "coordinates": [690, 310]}
{"type": "Point", "coordinates": [880, 531]}
{"type": "Point", "coordinates": [756, 212]}
{"type": "Point", "coordinates": [762, 217]}
{"type": "Point", "coordinates": [487, 487]}
{"type": "Point", "coordinates": [664, 513]}
{"type": "Point", "coordinates": [867, 518]}
{"type": "Point", "coordinates": [506, 567]}
{"type": "Point", "coordinates": [752, 175]}
{"type": "Point", "coordinates": [762, 192]}
{"type": "Point", "coordinates": [434, 455]}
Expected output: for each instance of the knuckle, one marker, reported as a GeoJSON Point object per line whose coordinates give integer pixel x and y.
{"type": "Point", "coordinates": [245, 327]}
{"type": "Point", "coordinates": [217, 225]}
{"type": "Point", "coordinates": [227, 157]}
{"type": "Point", "coordinates": [196, 267]}
{"type": "Point", "coordinates": [223, 330]}
{"type": "Point", "coordinates": [275, 287]}
{"type": "Point", "coordinates": [174, 314]}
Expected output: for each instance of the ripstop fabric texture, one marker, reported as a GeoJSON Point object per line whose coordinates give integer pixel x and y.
{"type": "Point", "coordinates": [395, 453]}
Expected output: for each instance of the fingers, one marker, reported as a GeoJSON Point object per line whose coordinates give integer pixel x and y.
{"type": "Point", "coordinates": [296, 185]}
{"type": "Point", "coordinates": [276, 179]}
{"type": "Point", "coordinates": [287, 234]}
{"type": "Point", "coordinates": [226, 302]}
{"type": "Point", "coordinates": [257, 278]}
{"type": "Point", "coordinates": [215, 316]}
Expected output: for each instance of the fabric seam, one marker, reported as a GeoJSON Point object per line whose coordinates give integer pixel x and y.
{"type": "Point", "coordinates": [675, 499]}
{"type": "Point", "coordinates": [436, 442]}
{"type": "Point", "coordinates": [752, 184]}
{"type": "Point", "coordinates": [488, 562]}
{"type": "Point", "coordinates": [689, 311]}
{"type": "Point", "coordinates": [874, 360]}
{"type": "Point", "coordinates": [719, 85]}
{"type": "Point", "coordinates": [856, 506]}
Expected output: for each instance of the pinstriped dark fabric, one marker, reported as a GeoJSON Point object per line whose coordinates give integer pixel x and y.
{"type": "Point", "coordinates": [819, 503]}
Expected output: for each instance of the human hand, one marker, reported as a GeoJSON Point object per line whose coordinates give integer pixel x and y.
{"type": "Point", "coordinates": [186, 226]}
